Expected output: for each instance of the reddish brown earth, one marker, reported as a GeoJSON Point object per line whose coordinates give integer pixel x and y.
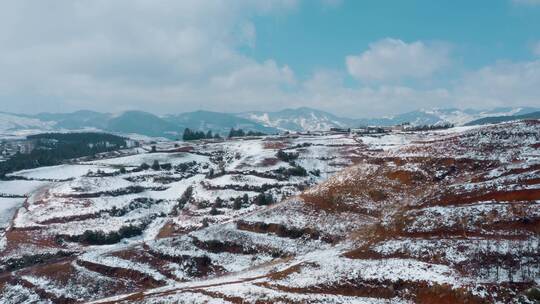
{"type": "Point", "coordinates": [449, 218]}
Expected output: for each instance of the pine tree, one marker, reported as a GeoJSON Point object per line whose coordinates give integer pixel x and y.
{"type": "Point", "coordinates": [237, 203]}
{"type": "Point", "coordinates": [188, 134]}
{"type": "Point", "coordinates": [214, 211]}
{"type": "Point", "coordinates": [232, 133]}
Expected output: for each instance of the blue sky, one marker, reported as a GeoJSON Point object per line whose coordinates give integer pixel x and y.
{"type": "Point", "coordinates": [317, 36]}
{"type": "Point", "coordinates": [352, 58]}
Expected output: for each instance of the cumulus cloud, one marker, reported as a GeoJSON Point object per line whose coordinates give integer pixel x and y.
{"type": "Point", "coordinates": [115, 55]}
{"type": "Point", "coordinates": [501, 84]}
{"type": "Point", "coordinates": [497, 85]}
{"type": "Point", "coordinates": [392, 59]}
{"type": "Point", "coordinates": [184, 55]}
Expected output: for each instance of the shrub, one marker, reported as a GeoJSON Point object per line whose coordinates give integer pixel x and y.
{"type": "Point", "coordinates": [264, 199]}
{"type": "Point", "coordinates": [286, 156]}
{"type": "Point", "coordinates": [214, 210]}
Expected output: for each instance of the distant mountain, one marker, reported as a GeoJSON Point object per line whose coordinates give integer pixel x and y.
{"type": "Point", "coordinates": [11, 122]}
{"type": "Point", "coordinates": [216, 122]}
{"type": "Point", "coordinates": [439, 116]}
{"type": "Point", "coordinates": [143, 123]}
{"type": "Point", "coordinates": [498, 119]}
{"type": "Point", "coordinates": [76, 120]}
{"type": "Point", "coordinates": [300, 119]}
{"type": "Point", "coordinates": [461, 117]}
{"type": "Point", "coordinates": [131, 122]}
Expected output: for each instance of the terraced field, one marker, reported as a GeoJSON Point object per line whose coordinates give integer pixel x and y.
{"type": "Point", "coordinates": [428, 217]}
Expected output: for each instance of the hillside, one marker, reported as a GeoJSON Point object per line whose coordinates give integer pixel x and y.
{"type": "Point", "coordinates": [217, 122]}
{"type": "Point", "coordinates": [172, 125]}
{"type": "Point", "coordinates": [429, 217]}
{"type": "Point", "coordinates": [300, 119]}
{"type": "Point", "coordinates": [499, 119]}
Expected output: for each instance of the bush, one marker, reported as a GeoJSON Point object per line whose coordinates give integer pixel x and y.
{"type": "Point", "coordinates": [295, 170]}
{"type": "Point", "coordinates": [218, 202]}
{"type": "Point", "coordinates": [98, 237]}
{"type": "Point", "coordinates": [205, 222]}
{"type": "Point", "coordinates": [286, 157]}
{"type": "Point", "coordinates": [214, 210]}
{"type": "Point", "coordinates": [264, 199]}
{"type": "Point", "coordinates": [183, 200]}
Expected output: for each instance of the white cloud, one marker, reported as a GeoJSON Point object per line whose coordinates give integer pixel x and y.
{"type": "Point", "coordinates": [183, 55]}
{"type": "Point", "coordinates": [114, 55]}
{"type": "Point", "coordinates": [393, 59]}
{"type": "Point", "coordinates": [502, 84]}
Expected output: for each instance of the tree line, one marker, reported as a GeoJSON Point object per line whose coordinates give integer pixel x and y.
{"type": "Point", "coordinates": [197, 135]}
{"type": "Point", "coordinates": [53, 148]}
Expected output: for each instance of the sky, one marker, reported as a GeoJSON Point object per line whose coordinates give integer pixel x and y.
{"type": "Point", "coordinates": [353, 58]}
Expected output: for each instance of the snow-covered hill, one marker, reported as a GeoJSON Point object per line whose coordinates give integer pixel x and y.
{"type": "Point", "coordinates": [172, 126]}
{"type": "Point", "coordinates": [300, 119]}
{"type": "Point", "coordinates": [11, 122]}
{"type": "Point", "coordinates": [306, 119]}
{"type": "Point", "coordinates": [447, 216]}
{"type": "Point", "coordinates": [462, 117]}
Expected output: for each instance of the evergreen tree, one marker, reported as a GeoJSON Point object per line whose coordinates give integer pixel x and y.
{"type": "Point", "coordinates": [205, 222]}
{"type": "Point", "coordinates": [155, 165]}
{"type": "Point", "coordinates": [188, 134]}
{"type": "Point", "coordinates": [144, 166]}
{"type": "Point", "coordinates": [232, 133]}
{"type": "Point", "coordinates": [237, 204]}
{"type": "Point", "coordinates": [214, 211]}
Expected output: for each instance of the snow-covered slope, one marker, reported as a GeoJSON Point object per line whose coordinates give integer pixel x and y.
{"type": "Point", "coordinates": [461, 117]}
{"type": "Point", "coordinates": [457, 117]}
{"type": "Point", "coordinates": [172, 126]}
{"type": "Point", "coordinates": [306, 119]}
{"type": "Point", "coordinates": [300, 119]}
{"type": "Point", "coordinates": [447, 216]}
{"type": "Point", "coordinates": [12, 122]}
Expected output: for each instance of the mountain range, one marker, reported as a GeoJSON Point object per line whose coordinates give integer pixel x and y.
{"type": "Point", "coordinates": [299, 119]}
